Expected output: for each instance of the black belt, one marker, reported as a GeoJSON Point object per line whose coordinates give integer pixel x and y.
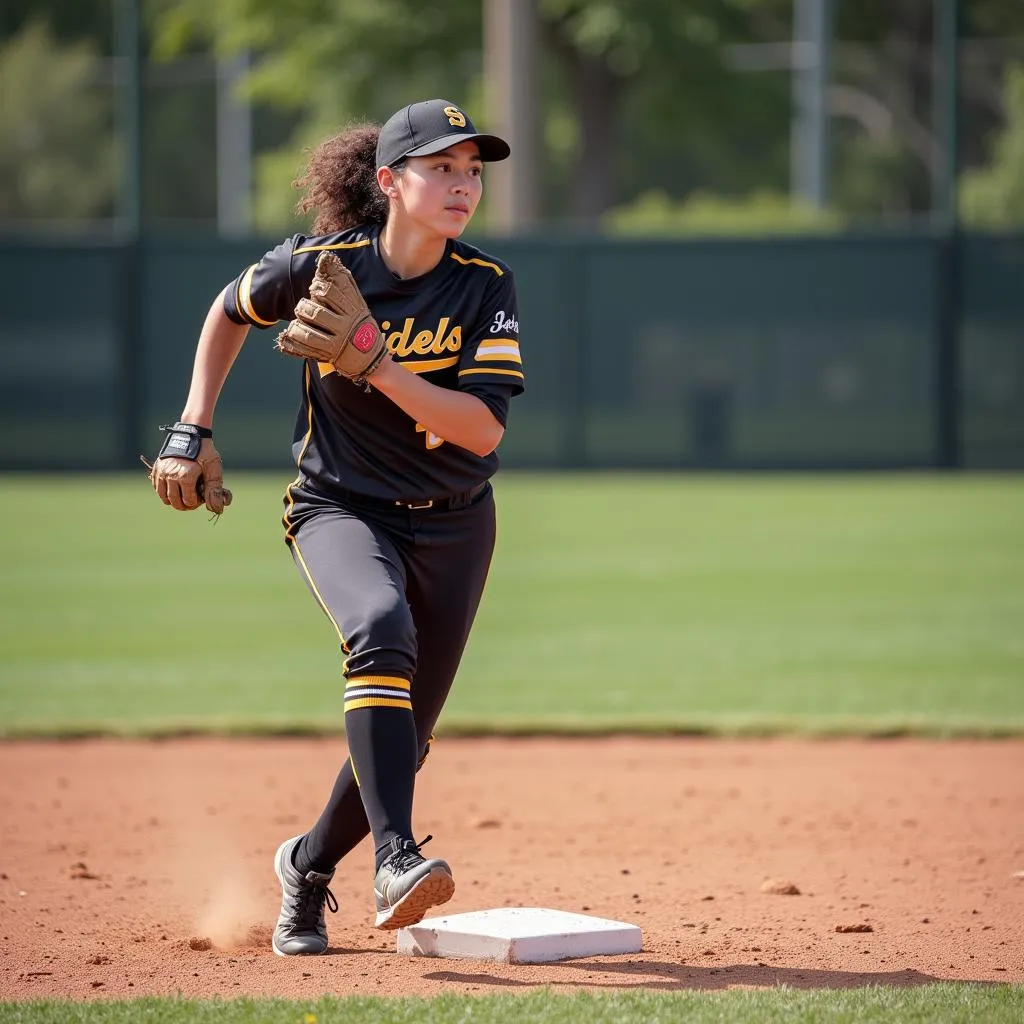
{"type": "Point", "coordinates": [450, 503]}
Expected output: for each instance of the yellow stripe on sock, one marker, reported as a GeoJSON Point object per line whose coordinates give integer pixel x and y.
{"type": "Point", "coordinates": [395, 682]}
{"type": "Point", "coordinates": [377, 702]}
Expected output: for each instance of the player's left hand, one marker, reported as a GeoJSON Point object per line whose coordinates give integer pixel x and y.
{"type": "Point", "coordinates": [334, 324]}
{"type": "Point", "coordinates": [188, 471]}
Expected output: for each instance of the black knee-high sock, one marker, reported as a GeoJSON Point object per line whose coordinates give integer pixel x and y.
{"type": "Point", "coordinates": [342, 824]}
{"type": "Point", "coordinates": [381, 733]}
{"type": "Point", "coordinates": [341, 827]}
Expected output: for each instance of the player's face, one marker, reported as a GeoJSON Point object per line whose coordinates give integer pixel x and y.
{"type": "Point", "coordinates": [441, 192]}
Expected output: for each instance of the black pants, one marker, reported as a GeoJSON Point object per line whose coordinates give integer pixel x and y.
{"type": "Point", "coordinates": [401, 587]}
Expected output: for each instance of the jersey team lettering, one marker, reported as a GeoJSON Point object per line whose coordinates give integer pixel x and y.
{"type": "Point", "coordinates": [440, 330]}
{"type": "Point", "coordinates": [504, 323]}
{"type": "Point", "coordinates": [427, 342]}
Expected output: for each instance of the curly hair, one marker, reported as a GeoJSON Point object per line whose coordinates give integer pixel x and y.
{"type": "Point", "coordinates": [340, 181]}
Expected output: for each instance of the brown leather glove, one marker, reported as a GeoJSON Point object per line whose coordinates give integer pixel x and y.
{"type": "Point", "coordinates": [188, 471]}
{"type": "Point", "coordinates": [334, 324]}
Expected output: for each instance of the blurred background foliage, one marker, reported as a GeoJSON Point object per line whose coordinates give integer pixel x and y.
{"type": "Point", "coordinates": [993, 195]}
{"type": "Point", "coordinates": [665, 116]}
{"type": "Point", "coordinates": [57, 152]}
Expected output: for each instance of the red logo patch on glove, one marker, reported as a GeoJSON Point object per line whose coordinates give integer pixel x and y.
{"type": "Point", "coordinates": [365, 337]}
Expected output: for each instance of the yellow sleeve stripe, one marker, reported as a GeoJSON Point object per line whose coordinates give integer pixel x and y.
{"type": "Point", "coordinates": [492, 370]}
{"type": "Point", "coordinates": [479, 263]}
{"type": "Point", "coordinates": [247, 300]}
{"type": "Point", "coordinates": [507, 350]}
{"type": "Point", "coordinates": [333, 245]}
{"type": "Point", "coordinates": [507, 355]}
{"type": "Point", "coordinates": [238, 293]}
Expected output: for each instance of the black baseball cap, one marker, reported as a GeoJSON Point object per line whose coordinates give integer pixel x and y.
{"type": "Point", "coordinates": [421, 129]}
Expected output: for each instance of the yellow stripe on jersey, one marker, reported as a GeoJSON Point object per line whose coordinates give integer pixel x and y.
{"type": "Point", "coordinates": [238, 294]}
{"type": "Point", "coordinates": [288, 536]}
{"type": "Point", "coordinates": [333, 245]}
{"type": "Point", "coordinates": [413, 366]}
{"type": "Point", "coordinates": [288, 525]}
{"type": "Point", "coordinates": [493, 369]}
{"type": "Point", "coordinates": [247, 300]}
{"type": "Point", "coordinates": [427, 365]}
{"type": "Point", "coordinates": [479, 263]}
{"type": "Point", "coordinates": [506, 349]}
{"type": "Point", "coordinates": [316, 593]}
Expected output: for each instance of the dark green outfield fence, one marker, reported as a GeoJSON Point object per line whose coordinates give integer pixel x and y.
{"type": "Point", "coordinates": [813, 352]}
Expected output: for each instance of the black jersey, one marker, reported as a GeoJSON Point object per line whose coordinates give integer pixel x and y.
{"type": "Point", "coordinates": [457, 325]}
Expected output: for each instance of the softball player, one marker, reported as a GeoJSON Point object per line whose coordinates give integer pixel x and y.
{"type": "Point", "coordinates": [391, 518]}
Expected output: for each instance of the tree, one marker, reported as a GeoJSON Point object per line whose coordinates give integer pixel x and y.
{"type": "Point", "coordinates": [57, 155]}
{"type": "Point", "coordinates": [82, 20]}
{"type": "Point", "coordinates": [328, 62]}
{"type": "Point", "coordinates": [993, 196]}
{"type": "Point", "coordinates": [761, 212]}
{"type": "Point", "coordinates": [887, 149]}
{"type": "Point", "coordinates": [350, 58]}
{"type": "Point", "coordinates": [652, 95]}
{"type": "Point", "coordinates": [637, 94]}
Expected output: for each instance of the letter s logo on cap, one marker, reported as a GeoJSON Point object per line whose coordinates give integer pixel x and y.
{"type": "Point", "coordinates": [456, 118]}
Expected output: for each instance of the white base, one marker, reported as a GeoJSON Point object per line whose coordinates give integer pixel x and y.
{"type": "Point", "coordinates": [519, 935]}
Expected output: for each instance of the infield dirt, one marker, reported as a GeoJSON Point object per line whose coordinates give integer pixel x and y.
{"type": "Point", "coordinates": [130, 868]}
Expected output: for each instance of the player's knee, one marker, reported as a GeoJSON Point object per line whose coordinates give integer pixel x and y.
{"type": "Point", "coordinates": [389, 622]}
{"type": "Point", "coordinates": [385, 639]}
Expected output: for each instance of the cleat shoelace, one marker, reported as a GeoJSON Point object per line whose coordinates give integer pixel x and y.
{"type": "Point", "coordinates": [407, 856]}
{"type": "Point", "coordinates": [307, 906]}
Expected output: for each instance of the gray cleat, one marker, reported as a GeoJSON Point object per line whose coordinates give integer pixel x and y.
{"type": "Point", "coordinates": [407, 885]}
{"type": "Point", "coordinates": [301, 927]}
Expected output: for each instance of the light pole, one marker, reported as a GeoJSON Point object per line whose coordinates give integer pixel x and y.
{"type": "Point", "coordinates": [812, 31]}
{"type": "Point", "coordinates": [510, 59]}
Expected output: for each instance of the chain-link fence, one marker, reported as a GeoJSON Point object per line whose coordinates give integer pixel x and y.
{"type": "Point", "coordinates": [868, 146]}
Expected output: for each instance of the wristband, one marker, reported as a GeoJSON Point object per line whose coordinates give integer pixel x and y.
{"type": "Point", "coordinates": [183, 440]}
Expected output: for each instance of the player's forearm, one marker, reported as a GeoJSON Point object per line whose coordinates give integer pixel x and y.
{"type": "Point", "coordinates": [220, 341]}
{"type": "Point", "coordinates": [458, 417]}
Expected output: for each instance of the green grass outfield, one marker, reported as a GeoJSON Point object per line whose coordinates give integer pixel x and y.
{"type": "Point", "coordinates": [946, 1003]}
{"type": "Point", "coordinates": [876, 603]}
{"type": "Point", "coordinates": [751, 603]}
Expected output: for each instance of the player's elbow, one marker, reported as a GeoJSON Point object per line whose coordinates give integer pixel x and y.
{"type": "Point", "coordinates": [488, 438]}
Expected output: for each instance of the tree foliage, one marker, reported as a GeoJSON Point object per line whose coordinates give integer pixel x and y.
{"type": "Point", "coordinates": [329, 62]}
{"type": "Point", "coordinates": [57, 157]}
{"type": "Point", "coordinates": [705, 213]}
{"type": "Point", "coordinates": [635, 91]}
{"type": "Point", "coordinates": [993, 196]}
{"type": "Point", "coordinates": [335, 58]}
{"type": "Point", "coordinates": [639, 98]}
